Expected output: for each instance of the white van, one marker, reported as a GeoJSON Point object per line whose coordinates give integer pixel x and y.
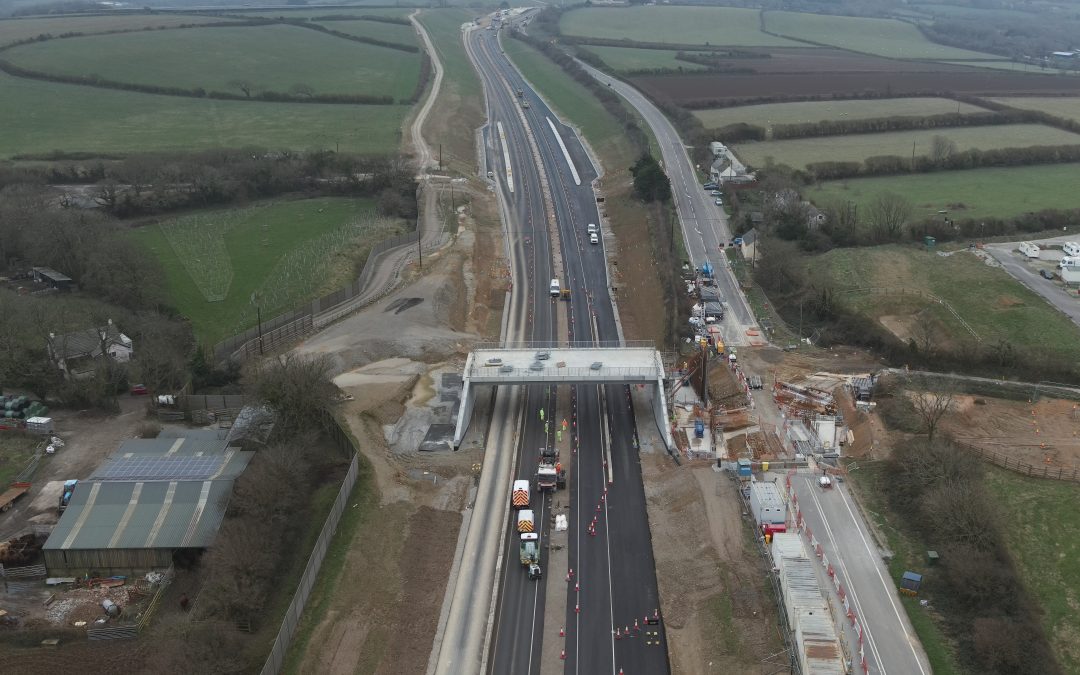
{"type": "Point", "coordinates": [554, 288]}
{"type": "Point", "coordinates": [1071, 248]}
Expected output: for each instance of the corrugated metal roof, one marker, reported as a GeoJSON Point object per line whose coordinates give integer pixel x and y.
{"type": "Point", "coordinates": [124, 515]}
{"type": "Point", "coordinates": [195, 434]}
{"type": "Point", "coordinates": [184, 446]}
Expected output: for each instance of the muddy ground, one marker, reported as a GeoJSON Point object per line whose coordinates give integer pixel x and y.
{"type": "Point", "coordinates": [1043, 433]}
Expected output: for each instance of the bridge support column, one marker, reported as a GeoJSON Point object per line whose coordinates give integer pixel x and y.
{"type": "Point", "coordinates": [660, 414]}
{"type": "Point", "coordinates": [465, 410]}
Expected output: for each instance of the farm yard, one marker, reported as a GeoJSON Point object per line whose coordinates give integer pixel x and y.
{"type": "Point", "coordinates": [857, 147]}
{"type": "Point", "coordinates": [1060, 106]}
{"type": "Point", "coordinates": [990, 300]}
{"type": "Point", "coordinates": [40, 117]}
{"type": "Point", "coordinates": [267, 58]}
{"type": "Point", "coordinates": [884, 37]}
{"type": "Point", "coordinates": [284, 252]}
{"type": "Point", "coordinates": [816, 111]}
{"type": "Point", "coordinates": [727, 26]}
{"type": "Point", "coordinates": [977, 193]}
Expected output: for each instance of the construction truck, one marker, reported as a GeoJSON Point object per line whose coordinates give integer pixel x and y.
{"type": "Point", "coordinates": [525, 521]}
{"type": "Point", "coordinates": [519, 497]}
{"type": "Point", "coordinates": [550, 475]}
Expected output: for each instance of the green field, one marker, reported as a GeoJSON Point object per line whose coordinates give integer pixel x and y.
{"type": "Point", "coordinates": [1043, 531]}
{"type": "Point", "coordinates": [816, 111]}
{"type": "Point", "coordinates": [883, 37]}
{"type": "Point", "coordinates": [978, 193]}
{"type": "Point", "coordinates": [857, 147]}
{"type": "Point", "coordinates": [285, 251]}
{"type": "Point", "coordinates": [1013, 65]}
{"type": "Point", "coordinates": [40, 117]}
{"type": "Point", "coordinates": [575, 104]}
{"type": "Point", "coordinates": [12, 30]}
{"type": "Point", "coordinates": [727, 26]}
{"type": "Point", "coordinates": [1058, 105]}
{"type": "Point", "coordinates": [310, 13]}
{"type": "Point", "coordinates": [629, 58]}
{"type": "Point", "coordinates": [390, 32]}
{"type": "Point", "coordinates": [271, 58]}
{"type": "Point", "coordinates": [992, 302]}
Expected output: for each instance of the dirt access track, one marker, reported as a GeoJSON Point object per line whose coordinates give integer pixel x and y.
{"type": "Point", "coordinates": [1044, 433]}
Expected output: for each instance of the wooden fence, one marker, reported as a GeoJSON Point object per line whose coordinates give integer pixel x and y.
{"type": "Point", "coordinates": [900, 290]}
{"type": "Point", "coordinates": [1023, 468]}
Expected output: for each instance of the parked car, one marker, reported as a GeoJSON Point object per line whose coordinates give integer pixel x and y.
{"type": "Point", "coordinates": [710, 186]}
{"type": "Point", "coordinates": [719, 202]}
{"type": "Point", "coordinates": [593, 239]}
{"type": "Point", "coordinates": [1046, 274]}
{"type": "Point", "coordinates": [716, 193]}
{"type": "Point", "coordinates": [139, 390]}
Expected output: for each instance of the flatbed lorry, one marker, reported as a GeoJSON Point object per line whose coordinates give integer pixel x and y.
{"type": "Point", "coordinates": [16, 490]}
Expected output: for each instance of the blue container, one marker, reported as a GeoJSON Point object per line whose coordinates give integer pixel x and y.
{"type": "Point", "coordinates": [699, 429]}
{"type": "Point", "coordinates": [744, 468]}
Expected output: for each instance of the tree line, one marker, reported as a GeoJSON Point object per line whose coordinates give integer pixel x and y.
{"type": "Point", "coordinates": [157, 183]}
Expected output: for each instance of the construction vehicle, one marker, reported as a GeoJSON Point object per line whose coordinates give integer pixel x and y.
{"type": "Point", "coordinates": [535, 573]}
{"type": "Point", "coordinates": [65, 495]}
{"type": "Point", "coordinates": [519, 498]}
{"type": "Point", "coordinates": [525, 521]}
{"type": "Point", "coordinates": [529, 549]}
{"type": "Point", "coordinates": [550, 475]}
{"type": "Point", "coordinates": [17, 489]}
{"type": "Point", "coordinates": [520, 93]}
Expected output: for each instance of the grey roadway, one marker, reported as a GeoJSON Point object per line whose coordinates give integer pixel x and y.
{"type": "Point", "coordinates": [704, 225]}
{"type": "Point", "coordinates": [1005, 253]}
{"type": "Point", "coordinates": [613, 588]}
{"type": "Point", "coordinates": [890, 644]}
{"type": "Point", "coordinates": [469, 604]}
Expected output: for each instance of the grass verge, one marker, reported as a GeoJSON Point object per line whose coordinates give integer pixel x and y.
{"type": "Point", "coordinates": [16, 450]}
{"type": "Point", "coordinates": [363, 502]}
{"type": "Point", "coordinates": [868, 480]}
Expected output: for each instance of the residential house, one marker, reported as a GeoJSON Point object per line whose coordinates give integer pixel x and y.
{"type": "Point", "coordinates": [749, 244]}
{"type": "Point", "coordinates": [77, 354]}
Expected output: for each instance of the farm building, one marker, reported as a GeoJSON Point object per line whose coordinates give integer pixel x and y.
{"type": "Point", "coordinates": [76, 354]}
{"type": "Point", "coordinates": [149, 502]}
{"type": "Point", "coordinates": [50, 277]}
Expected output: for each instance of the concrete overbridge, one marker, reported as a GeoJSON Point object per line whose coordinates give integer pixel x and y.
{"type": "Point", "coordinates": [540, 363]}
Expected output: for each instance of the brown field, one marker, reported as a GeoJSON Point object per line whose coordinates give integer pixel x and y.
{"type": "Point", "coordinates": [688, 89]}
{"type": "Point", "coordinates": [823, 60]}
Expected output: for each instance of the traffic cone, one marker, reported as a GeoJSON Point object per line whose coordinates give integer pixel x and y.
{"type": "Point", "coordinates": [577, 587]}
{"type": "Point", "coordinates": [637, 629]}
{"type": "Point", "coordinates": [627, 631]}
{"type": "Point", "coordinates": [618, 633]}
{"type": "Point", "coordinates": [562, 632]}
{"type": "Point", "coordinates": [562, 655]}
{"type": "Point", "coordinates": [603, 498]}
{"type": "Point", "coordinates": [577, 609]}
{"type": "Point", "coordinates": [597, 507]}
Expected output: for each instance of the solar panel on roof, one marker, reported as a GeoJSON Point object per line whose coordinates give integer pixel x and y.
{"type": "Point", "coordinates": [159, 468]}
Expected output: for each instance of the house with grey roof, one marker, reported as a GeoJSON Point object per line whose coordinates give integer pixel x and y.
{"type": "Point", "coordinates": [77, 354]}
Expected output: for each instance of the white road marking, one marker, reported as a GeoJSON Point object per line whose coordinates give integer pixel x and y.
{"type": "Point", "coordinates": [565, 152]}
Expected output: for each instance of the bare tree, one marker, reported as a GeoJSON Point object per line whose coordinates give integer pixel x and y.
{"type": "Point", "coordinates": [924, 333]}
{"type": "Point", "coordinates": [931, 407]}
{"type": "Point", "coordinates": [941, 148]}
{"type": "Point", "coordinates": [889, 213]}
{"type": "Point", "coordinates": [302, 89]}
{"type": "Point", "coordinates": [243, 85]}
{"type": "Point", "coordinates": [300, 389]}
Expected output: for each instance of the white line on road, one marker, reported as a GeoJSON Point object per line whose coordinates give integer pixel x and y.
{"type": "Point", "coordinates": [887, 585]}
{"type": "Point", "coordinates": [565, 153]}
{"type": "Point", "coordinates": [506, 157]}
{"type": "Point", "coordinates": [843, 567]}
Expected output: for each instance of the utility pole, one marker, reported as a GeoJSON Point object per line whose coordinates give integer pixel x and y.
{"type": "Point", "coordinates": [440, 156]}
